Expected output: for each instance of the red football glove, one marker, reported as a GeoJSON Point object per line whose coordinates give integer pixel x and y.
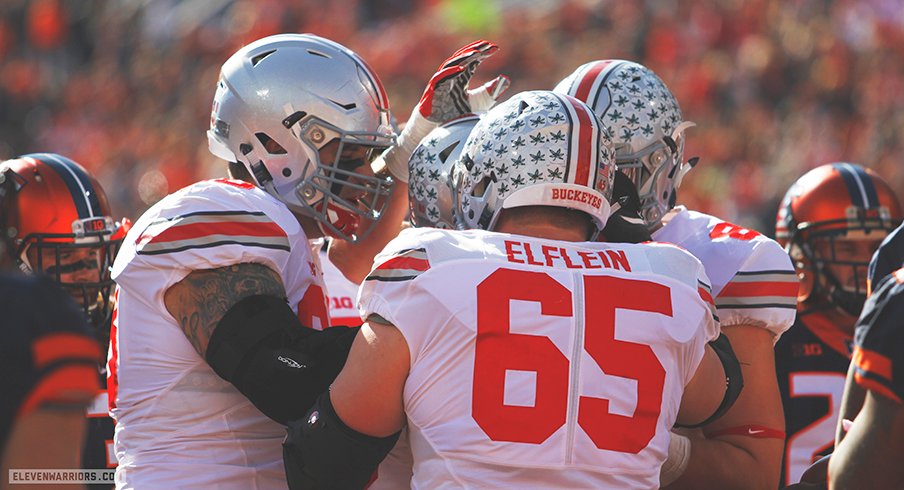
{"type": "Point", "coordinates": [446, 97]}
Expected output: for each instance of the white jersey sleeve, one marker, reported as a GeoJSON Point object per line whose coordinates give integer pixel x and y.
{"type": "Point", "coordinates": [218, 223]}
{"type": "Point", "coordinates": [753, 280]}
{"type": "Point", "coordinates": [506, 332]}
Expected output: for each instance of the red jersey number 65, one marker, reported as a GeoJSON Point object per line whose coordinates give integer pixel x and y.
{"type": "Point", "coordinates": [498, 350]}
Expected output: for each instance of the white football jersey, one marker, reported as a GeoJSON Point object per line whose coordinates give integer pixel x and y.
{"type": "Point", "coordinates": [340, 292]}
{"type": "Point", "coordinates": [530, 355]}
{"type": "Point", "coordinates": [753, 280]}
{"type": "Point", "coordinates": [178, 423]}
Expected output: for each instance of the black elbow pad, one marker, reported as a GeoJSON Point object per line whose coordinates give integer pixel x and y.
{"type": "Point", "coordinates": [322, 453]}
{"type": "Point", "coordinates": [733, 379]}
{"type": "Point", "coordinates": [281, 366]}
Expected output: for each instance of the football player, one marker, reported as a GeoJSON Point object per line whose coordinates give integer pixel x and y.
{"type": "Point", "coordinates": [870, 455]}
{"type": "Point", "coordinates": [220, 313]}
{"type": "Point", "coordinates": [830, 222]}
{"type": "Point", "coordinates": [521, 353]}
{"type": "Point", "coordinates": [887, 259]}
{"type": "Point", "coordinates": [64, 228]}
{"type": "Point", "coordinates": [430, 202]}
{"type": "Point", "coordinates": [49, 355]}
{"type": "Point", "coordinates": [753, 281]}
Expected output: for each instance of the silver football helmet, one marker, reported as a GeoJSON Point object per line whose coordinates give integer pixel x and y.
{"type": "Point", "coordinates": [536, 149]}
{"type": "Point", "coordinates": [302, 113]}
{"type": "Point", "coordinates": [644, 120]}
{"type": "Point", "coordinates": [429, 168]}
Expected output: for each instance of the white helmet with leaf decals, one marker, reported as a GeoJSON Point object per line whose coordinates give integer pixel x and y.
{"type": "Point", "coordinates": [430, 165]}
{"type": "Point", "coordinates": [644, 121]}
{"type": "Point", "coordinates": [538, 148]}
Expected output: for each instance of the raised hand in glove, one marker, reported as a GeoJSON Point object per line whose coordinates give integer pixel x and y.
{"type": "Point", "coordinates": [446, 97]}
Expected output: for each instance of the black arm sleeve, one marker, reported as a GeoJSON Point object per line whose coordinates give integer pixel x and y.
{"type": "Point", "coordinates": [322, 453]}
{"type": "Point", "coordinates": [281, 366]}
{"type": "Point", "coordinates": [733, 379]}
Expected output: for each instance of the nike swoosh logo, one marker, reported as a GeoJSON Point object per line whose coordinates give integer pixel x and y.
{"type": "Point", "coordinates": [755, 432]}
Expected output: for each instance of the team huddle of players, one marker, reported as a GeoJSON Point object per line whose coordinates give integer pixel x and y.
{"type": "Point", "coordinates": [500, 296]}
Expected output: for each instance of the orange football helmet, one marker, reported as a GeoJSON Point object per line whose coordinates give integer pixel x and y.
{"type": "Point", "coordinates": [8, 189]}
{"type": "Point", "coordinates": [61, 225]}
{"type": "Point", "coordinates": [829, 204]}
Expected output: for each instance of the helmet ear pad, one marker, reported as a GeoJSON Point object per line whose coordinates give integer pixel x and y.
{"type": "Point", "coordinates": [806, 273]}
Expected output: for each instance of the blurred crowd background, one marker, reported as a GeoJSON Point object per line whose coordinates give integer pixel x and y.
{"type": "Point", "coordinates": [776, 87]}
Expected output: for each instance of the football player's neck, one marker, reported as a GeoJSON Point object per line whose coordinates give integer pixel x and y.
{"type": "Point", "coordinates": [841, 319]}
{"type": "Point", "coordinates": [542, 227]}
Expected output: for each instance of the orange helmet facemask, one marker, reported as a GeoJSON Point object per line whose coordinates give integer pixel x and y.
{"type": "Point", "coordinates": [61, 225]}
{"type": "Point", "coordinates": [838, 201]}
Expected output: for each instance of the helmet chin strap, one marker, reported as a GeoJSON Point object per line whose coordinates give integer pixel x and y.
{"type": "Point", "coordinates": [850, 303]}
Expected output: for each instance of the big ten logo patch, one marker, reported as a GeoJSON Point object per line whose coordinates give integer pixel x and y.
{"type": "Point", "coordinates": [339, 303]}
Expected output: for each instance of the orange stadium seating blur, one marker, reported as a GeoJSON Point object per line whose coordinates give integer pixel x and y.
{"type": "Point", "coordinates": [775, 87]}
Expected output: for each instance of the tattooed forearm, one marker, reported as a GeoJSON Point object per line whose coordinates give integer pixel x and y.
{"type": "Point", "coordinates": [199, 301]}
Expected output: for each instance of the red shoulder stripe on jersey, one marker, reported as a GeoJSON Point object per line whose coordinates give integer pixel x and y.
{"type": "Point", "coordinates": [64, 346]}
{"type": "Point", "coordinates": [207, 229]}
{"type": "Point", "coordinates": [704, 293]}
{"type": "Point", "coordinates": [872, 362]}
{"type": "Point", "coordinates": [408, 263]}
{"type": "Point", "coordinates": [765, 288]}
{"type": "Point", "coordinates": [404, 266]}
{"type": "Point", "coordinates": [877, 386]}
{"type": "Point", "coordinates": [197, 230]}
{"type": "Point", "coordinates": [68, 384]}
{"type": "Point", "coordinates": [241, 184]}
